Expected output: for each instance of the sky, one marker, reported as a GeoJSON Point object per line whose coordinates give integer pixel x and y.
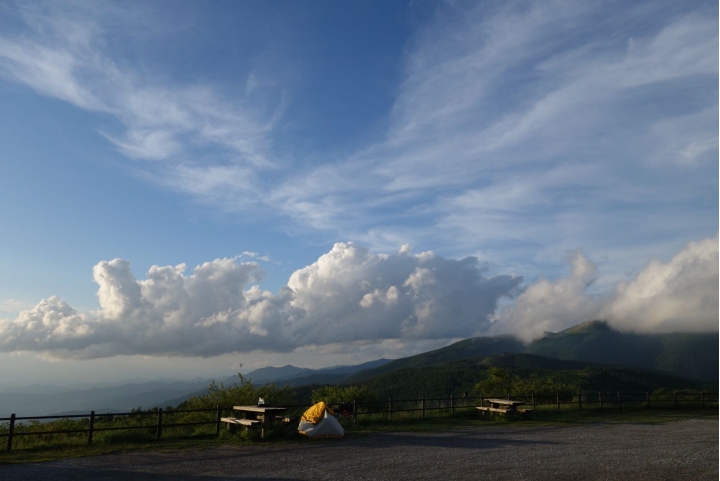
{"type": "Point", "coordinates": [188, 187]}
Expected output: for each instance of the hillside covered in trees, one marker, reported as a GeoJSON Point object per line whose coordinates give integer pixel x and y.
{"type": "Point", "coordinates": [588, 357]}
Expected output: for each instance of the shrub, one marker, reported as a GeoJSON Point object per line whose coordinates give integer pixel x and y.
{"type": "Point", "coordinates": [504, 382]}
{"type": "Point", "coordinates": [242, 393]}
{"type": "Point", "coordinates": [341, 394]}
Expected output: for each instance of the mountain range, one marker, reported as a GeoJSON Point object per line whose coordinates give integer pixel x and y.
{"type": "Point", "coordinates": [292, 375]}
{"type": "Point", "coordinates": [591, 355]}
{"type": "Point", "coordinates": [616, 358]}
{"type": "Point", "coordinates": [693, 356]}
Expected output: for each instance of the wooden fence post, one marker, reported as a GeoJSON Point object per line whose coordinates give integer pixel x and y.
{"type": "Point", "coordinates": [10, 431]}
{"type": "Point", "coordinates": [158, 433]}
{"type": "Point", "coordinates": [452, 405]}
{"type": "Point", "coordinates": [92, 426]}
{"type": "Point", "coordinates": [533, 399]}
{"type": "Point", "coordinates": [557, 399]}
{"type": "Point", "coordinates": [619, 401]}
{"type": "Point", "coordinates": [390, 408]}
{"type": "Point", "coordinates": [600, 398]}
{"type": "Point", "coordinates": [354, 411]}
{"type": "Point", "coordinates": [580, 400]}
{"type": "Point", "coordinates": [217, 421]}
{"type": "Point", "coordinates": [676, 400]}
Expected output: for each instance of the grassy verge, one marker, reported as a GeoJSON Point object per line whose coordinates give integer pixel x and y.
{"type": "Point", "coordinates": [376, 423]}
{"type": "Point", "coordinates": [50, 452]}
{"type": "Point", "coordinates": [60, 451]}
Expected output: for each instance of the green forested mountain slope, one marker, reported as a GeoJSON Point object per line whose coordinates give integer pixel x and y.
{"type": "Point", "coordinates": [597, 342]}
{"type": "Point", "coordinates": [694, 356]}
{"type": "Point", "coordinates": [592, 356]}
{"type": "Point", "coordinates": [689, 355]}
{"type": "Point", "coordinates": [460, 376]}
{"type": "Point", "coordinates": [469, 348]}
{"type": "Point", "coordinates": [588, 357]}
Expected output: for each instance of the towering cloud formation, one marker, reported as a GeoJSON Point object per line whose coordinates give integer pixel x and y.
{"type": "Point", "coordinates": [680, 295]}
{"type": "Point", "coordinates": [349, 294]}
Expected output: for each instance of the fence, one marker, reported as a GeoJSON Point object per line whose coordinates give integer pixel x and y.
{"type": "Point", "coordinates": [98, 423]}
{"type": "Point", "coordinates": [408, 408]}
{"type": "Point", "coordinates": [544, 403]}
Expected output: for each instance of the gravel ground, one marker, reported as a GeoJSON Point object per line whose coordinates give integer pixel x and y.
{"type": "Point", "coordinates": [674, 450]}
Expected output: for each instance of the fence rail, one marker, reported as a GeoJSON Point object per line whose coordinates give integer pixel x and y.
{"type": "Point", "coordinates": [581, 401]}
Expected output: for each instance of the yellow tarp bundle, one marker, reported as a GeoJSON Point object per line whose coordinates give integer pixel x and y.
{"type": "Point", "coordinates": [315, 413]}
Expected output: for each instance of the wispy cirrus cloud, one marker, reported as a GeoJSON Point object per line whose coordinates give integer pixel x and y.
{"type": "Point", "coordinates": [521, 129]}
{"type": "Point", "coordinates": [14, 305]}
{"type": "Point", "coordinates": [63, 52]}
{"type": "Point", "coordinates": [525, 123]}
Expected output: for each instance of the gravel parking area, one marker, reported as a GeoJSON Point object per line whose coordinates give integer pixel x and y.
{"type": "Point", "coordinates": [674, 450]}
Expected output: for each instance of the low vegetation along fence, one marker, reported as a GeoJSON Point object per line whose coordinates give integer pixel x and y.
{"type": "Point", "coordinates": [138, 426]}
{"type": "Point", "coordinates": [413, 408]}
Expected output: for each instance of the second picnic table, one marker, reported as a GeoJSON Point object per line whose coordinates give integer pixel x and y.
{"type": "Point", "coordinates": [255, 415]}
{"type": "Point", "coordinates": [503, 406]}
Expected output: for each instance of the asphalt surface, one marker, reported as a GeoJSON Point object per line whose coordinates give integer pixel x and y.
{"type": "Point", "coordinates": [685, 449]}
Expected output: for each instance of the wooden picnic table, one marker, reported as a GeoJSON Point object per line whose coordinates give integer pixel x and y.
{"type": "Point", "coordinates": [255, 415]}
{"type": "Point", "coordinates": [503, 406]}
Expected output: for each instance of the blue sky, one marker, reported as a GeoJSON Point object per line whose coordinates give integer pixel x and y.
{"type": "Point", "coordinates": [524, 134]}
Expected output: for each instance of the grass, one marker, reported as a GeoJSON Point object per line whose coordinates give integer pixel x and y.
{"type": "Point", "coordinates": [204, 438]}
{"type": "Point", "coordinates": [60, 451]}
{"type": "Point", "coordinates": [125, 443]}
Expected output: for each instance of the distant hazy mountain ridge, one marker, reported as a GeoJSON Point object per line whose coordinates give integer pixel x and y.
{"type": "Point", "coordinates": [291, 373]}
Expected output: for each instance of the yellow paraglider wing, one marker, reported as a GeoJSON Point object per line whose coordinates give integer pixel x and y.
{"type": "Point", "coordinates": [315, 413]}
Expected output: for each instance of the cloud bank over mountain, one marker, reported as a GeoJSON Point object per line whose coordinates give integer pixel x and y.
{"type": "Point", "coordinates": [678, 296]}
{"type": "Point", "coordinates": [353, 295]}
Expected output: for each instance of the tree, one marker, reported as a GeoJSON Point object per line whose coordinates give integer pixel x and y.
{"type": "Point", "coordinates": [341, 394]}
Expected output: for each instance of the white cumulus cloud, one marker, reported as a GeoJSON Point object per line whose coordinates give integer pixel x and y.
{"type": "Point", "coordinates": [350, 294]}
{"type": "Point", "coordinates": [351, 297]}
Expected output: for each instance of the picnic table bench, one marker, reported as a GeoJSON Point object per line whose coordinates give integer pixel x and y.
{"type": "Point", "coordinates": [506, 407]}
{"type": "Point", "coordinates": [243, 422]}
{"type": "Point", "coordinates": [256, 416]}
